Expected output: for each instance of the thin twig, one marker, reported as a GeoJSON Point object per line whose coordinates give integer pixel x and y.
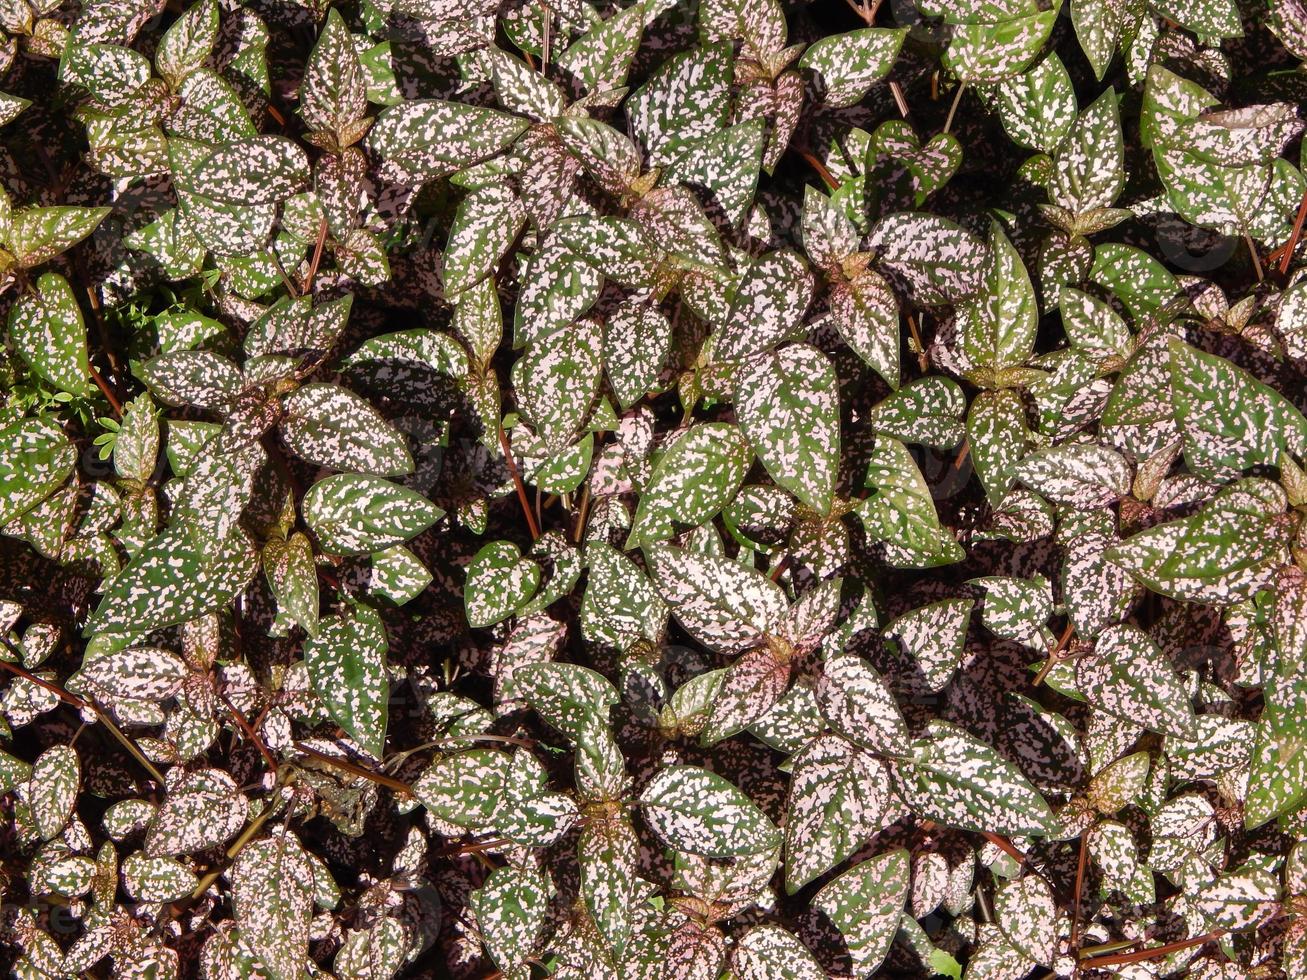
{"type": "Point", "coordinates": [548, 19]}
{"type": "Point", "coordinates": [896, 90]}
{"type": "Point", "coordinates": [1292, 243]}
{"type": "Point", "coordinates": [827, 177]}
{"type": "Point", "coordinates": [517, 482]}
{"type": "Point", "coordinates": [1257, 262]}
{"type": "Point", "coordinates": [1081, 864]}
{"type": "Point", "coordinates": [1153, 952]}
{"type": "Point", "coordinates": [957, 97]}
{"type": "Point", "coordinates": [1051, 660]}
{"type": "Point", "coordinates": [923, 359]}
{"type": "Point", "coordinates": [317, 257]}
{"type": "Point", "coordinates": [963, 455]}
{"type": "Point", "coordinates": [249, 731]}
{"type": "Point", "coordinates": [114, 404]}
{"type": "Point", "coordinates": [357, 770]}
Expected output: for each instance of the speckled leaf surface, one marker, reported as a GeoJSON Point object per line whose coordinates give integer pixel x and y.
{"type": "Point", "coordinates": [346, 663]}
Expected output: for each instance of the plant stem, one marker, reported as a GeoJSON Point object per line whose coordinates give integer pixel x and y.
{"type": "Point", "coordinates": [957, 97]}
{"type": "Point", "coordinates": [1151, 953]}
{"type": "Point", "coordinates": [517, 482]}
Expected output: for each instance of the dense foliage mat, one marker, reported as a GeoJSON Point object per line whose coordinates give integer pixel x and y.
{"type": "Point", "coordinates": [660, 490]}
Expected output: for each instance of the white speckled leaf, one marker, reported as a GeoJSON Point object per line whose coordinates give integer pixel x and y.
{"type": "Point", "coordinates": [499, 582]}
{"type": "Point", "coordinates": [486, 224]}
{"type": "Point", "coordinates": [426, 138]}
{"type": "Point", "coordinates": [1090, 165]}
{"type": "Point", "coordinates": [35, 459]}
{"type": "Point", "coordinates": [694, 810]}
{"type": "Point", "coordinates": [865, 904]}
{"type": "Point", "coordinates": [569, 697]}
{"type": "Point", "coordinates": [1230, 420]}
{"type": "Point", "coordinates": [934, 635]}
{"type": "Point", "coordinates": [939, 260]}
{"type": "Point", "coordinates": [466, 788]}
{"type": "Point", "coordinates": [346, 664]}
{"type": "Point", "coordinates": [293, 578]}
{"type": "Point", "coordinates": [854, 699]}
{"type": "Point", "coordinates": [607, 856]}
{"type": "Point", "coordinates": [1025, 912]}
{"type": "Point", "coordinates": [156, 879]}
{"type": "Point", "coordinates": [839, 796]}
{"type": "Point", "coordinates": [1015, 608]}
{"type": "Point", "coordinates": [352, 513]}
{"type": "Point", "coordinates": [957, 780]}
{"type": "Point", "coordinates": [37, 235]}
{"type": "Point", "coordinates": [927, 410]}
{"type": "Point", "coordinates": [769, 952]}
{"type": "Point", "coordinates": [556, 380]}
{"type": "Point", "coordinates": [747, 691]}
{"type": "Point", "coordinates": [768, 305]}
{"type": "Point", "coordinates": [720, 602]}
{"type": "Point", "coordinates": [1278, 775]}
{"type": "Point", "coordinates": [1129, 677]}
{"type": "Point", "coordinates": [196, 378]}
{"type": "Point", "coordinates": [997, 327]}
{"type": "Point", "coordinates": [178, 576]}
{"type": "Point", "coordinates": [724, 166]}
{"type": "Point", "coordinates": [997, 433]}
{"type": "Point", "coordinates": [901, 512]}
{"type": "Point", "coordinates": [334, 91]}
{"type": "Point", "coordinates": [203, 808]}
{"type": "Point", "coordinates": [1038, 107]}
{"type": "Point", "coordinates": [788, 406]}
{"type": "Point", "coordinates": [693, 480]}
{"type": "Point", "coordinates": [600, 59]}
{"type": "Point", "coordinates": [1220, 555]}
{"type": "Point", "coordinates": [849, 64]}
{"type": "Point", "coordinates": [46, 329]}
{"type": "Point", "coordinates": [637, 340]}
{"type": "Point", "coordinates": [510, 915]}
{"type": "Point", "coordinates": [866, 314]}
{"type": "Point", "coordinates": [52, 789]}
{"type": "Point", "coordinates": [272, 898]}
{"type": "Point", "coordinates": [620, 605]}
{"type": "Point", "coordinates": [187, 43]}
{"type": "Point", "coordinates": [331, 426]}
{"type": "Point", "coordinates": [687, 98]}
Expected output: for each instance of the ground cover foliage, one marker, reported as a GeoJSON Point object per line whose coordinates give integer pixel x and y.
{"type": "Point", "coordinates": [653, 490]}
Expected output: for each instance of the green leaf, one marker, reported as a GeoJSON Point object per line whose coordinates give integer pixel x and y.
{"type": "Point", "coordinates": [333, 93]}
{"type": "Point", "coordinates": [1208, 18]}
{"type": "Point", "coordinates": [510, 913]}
{"type": "Point", "coordinates": [187, 43]}
{"type": "Point", "coordinates": [353, 514]}
{"type": "Point", "coordinates": [178, 576]}
{"type": "Point", "coordinates": [694, 479]}
{"type": "Point", "coordinates": [1089, 169]}
{"type": "Point", "coordinates": [556, 380]}
{"type": "Point", "coordinates": [997, 434]}
{"type": "Point", "coordinates": [901, 512]}
{"type": "Point", "coordinates": [687, 98]}
{"type": "Point", "coordinates": [839, 796]}
{"type": "Point", "coordinates": [1038, 107]}
{"type": "Point", "coordinates": [293, 577]}
{"type": "Point", "coordinates": [499, 582]}
{"type": "Point", "coordinates": [485, 226]}
{"type": "Point", "coordinates": [725, 164]}
{"type": "Point", "coordinates": [466, 788]}
{"type": "Point", "coordinates": [1129, 677]}
{"type": "Point", "coordinates": [346, 662]}
{"type": "Point", "coordinates": [425, 138]}
{"type": "Point", "coordinates": [768, 305]}
{"type": "Point", "coordinates": [46, 329]}
{"type": "Point", "coordinates": [37, 235]}
{"type": "Point", "coordinates": [865, 904]}
{"type": "Point", "coordinates": [620, 605]}
{"type": "Point", "coordinates": [53, 788]}
{"type": "Point", "coordinates": [959, 781]}
{"type": "Point", "coordinates": [788, 405]}
{"type": "Point", "coordinates": [990, 52]}
{"type": "Point", "coordinates": [637, 340]}
{"type": "Point", "coordinates": [720, 602]}
{"type": "Point", "coordinates": [699, 812]}
{"type": "Point", "coordinates": [940, 261]}
{"type": "Point", "coordinates": [272, 898]}
{"type": "Point", "coordinates": [769, 952]}
{"type": "Point", "coordinates": [569, 697]}
{"type": "Point", "coordinates": [1221, 555]}
{"type": "Point", "coordinates": [1277, 780]}
{"type": "Point", "coordinates": [1138, 279]}
{"type": "Point", "coordinates": [927, 411]}
{"type": "Point", "coordinates": [35, 459]}
{"type": "Point", "coordinates": [997, 328]}
{"type": "Point", "coordinates": [607, 855]}
{"type": "Point", "coordinates": [849, 64]}
{"type": "Point", "coordinates": [331, 426]}
{"type": "Point", "coordinates": [1230, 420]}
